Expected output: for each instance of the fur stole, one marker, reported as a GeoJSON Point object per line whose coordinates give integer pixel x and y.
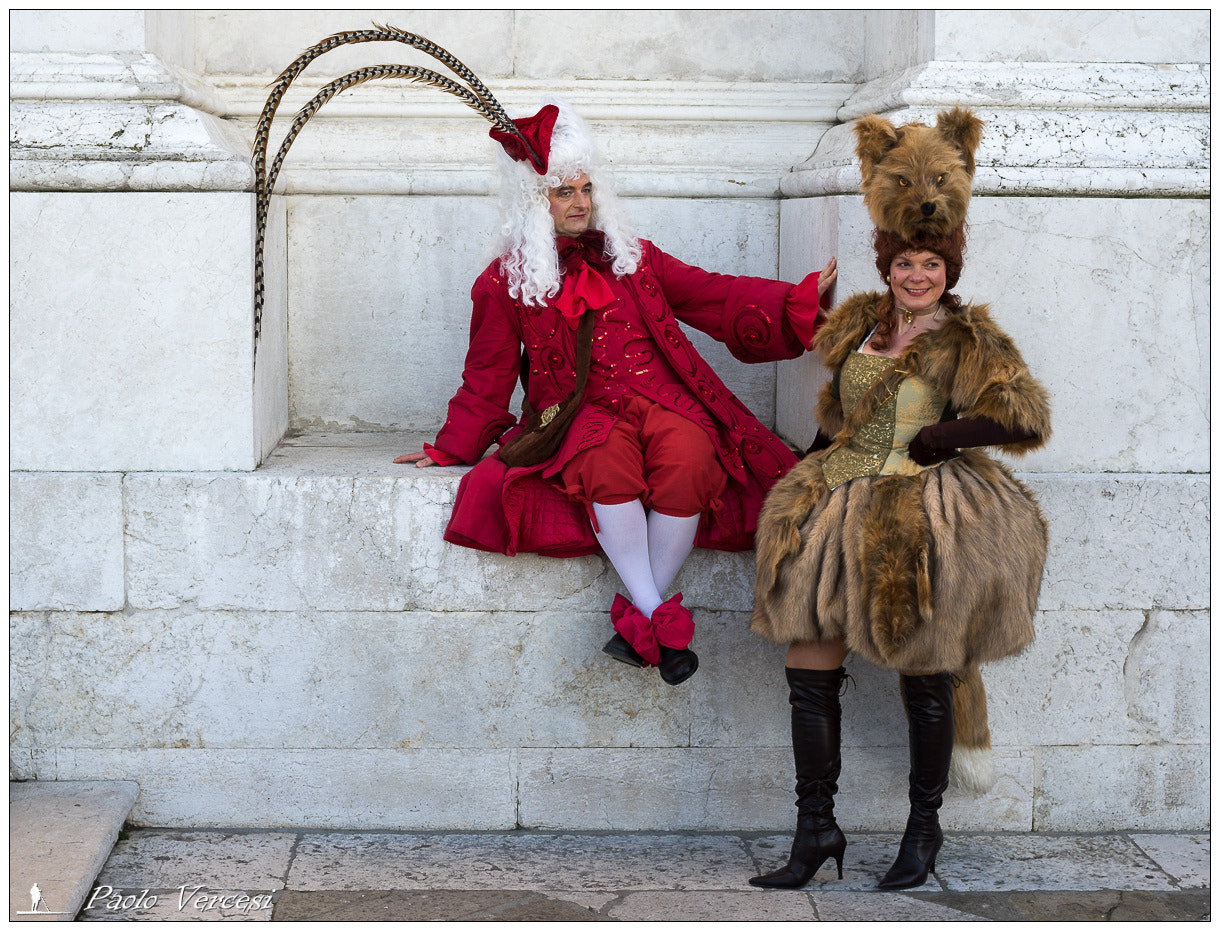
{"type": "Point", "coordinates": [969, 359]}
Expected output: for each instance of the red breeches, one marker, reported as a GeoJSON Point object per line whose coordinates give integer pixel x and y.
{"type": "Point", "coordinates": [652, 454]}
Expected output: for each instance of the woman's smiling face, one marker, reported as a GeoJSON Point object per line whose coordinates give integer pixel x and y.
{"type": "Point", "coordinates": [917, 280]}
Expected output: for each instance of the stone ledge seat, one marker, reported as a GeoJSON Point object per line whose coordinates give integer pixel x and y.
{"type": "Point", "coordinates": [407, 509]}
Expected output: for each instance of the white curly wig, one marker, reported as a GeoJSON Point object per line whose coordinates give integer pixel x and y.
{"type": "Point", "coordinates": [526, 240]}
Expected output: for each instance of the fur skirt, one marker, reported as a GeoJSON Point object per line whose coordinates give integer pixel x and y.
{"type": "Point", "coordinates": [932, 572]}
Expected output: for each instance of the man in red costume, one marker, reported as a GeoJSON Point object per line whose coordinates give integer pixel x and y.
{"type": "Point", "coordinates": [637, 447]}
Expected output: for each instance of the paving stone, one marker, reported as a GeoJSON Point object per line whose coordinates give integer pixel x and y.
{"type": "Point", "coordinates": [755, 905]}
{"type": "Point", "coordinates": [59, 836]}
{"type": "Point", "coordinates": [109, 903]}
{"type": "Point", "coordinates": [593, 901]}
{"type": "Point", "coordinates": [530, 876]}
{"type": "Point", "coordinates": [536, 908]}
{"type": "Point", "coordinates": [621, 862]}
{"type": "Point", "coordinates": [883, 906]}
{"type": "Point", "coordinates": [1079, 905]}
{"type": "Point", "coordinates": [444, 905]}
{"type": "Point", "coordinates": [1185, 857]}
{"type": "Point", "coordinates": [1014, 863]}
{"type": "Point", "coordinates": [211, 860]}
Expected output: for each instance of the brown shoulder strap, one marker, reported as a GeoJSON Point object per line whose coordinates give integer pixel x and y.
{"type": "Point", "coordinates": [545, 430]}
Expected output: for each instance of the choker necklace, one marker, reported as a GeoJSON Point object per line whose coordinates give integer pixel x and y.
{"type": "Point", "coordinates": [909, 315]}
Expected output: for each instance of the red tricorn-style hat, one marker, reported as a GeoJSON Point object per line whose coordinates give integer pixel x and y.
{"type": "Point", "coordinates": [533, 144]}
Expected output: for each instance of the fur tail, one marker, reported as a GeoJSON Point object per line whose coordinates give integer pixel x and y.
{"type": "Point", "coordinates": [894, 559]}
{"type": "Point", "coordinates": [972, 767]}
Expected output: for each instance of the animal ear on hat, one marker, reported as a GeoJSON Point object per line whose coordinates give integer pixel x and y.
{"type": "Point", "coordinates": [533, 144]}
{"type": "Point", "coordinates": [964, 130]}
{"type": "Point", "coordinates": [875, 136]}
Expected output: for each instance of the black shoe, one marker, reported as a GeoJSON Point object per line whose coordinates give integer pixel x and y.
{"type": "Point", "coordinates": [677, 665]}
{"type": "Point", "coordinates": [618, 648]}
{"type": "Point", "coordinates": [809, 851]}
{"type": "Point", "coordinates": [916, 856]}
{"type": "Point", "coordinates": [929, 701]}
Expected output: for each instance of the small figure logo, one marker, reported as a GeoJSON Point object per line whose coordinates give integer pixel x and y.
{"type": "Point", "coordinates": [36, 899]}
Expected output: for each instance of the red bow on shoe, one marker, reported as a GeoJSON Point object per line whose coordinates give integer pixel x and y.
{"type": "Point", "coordinates": [672, 624]}
{"type": "Point", "coordinates": [636, 630]}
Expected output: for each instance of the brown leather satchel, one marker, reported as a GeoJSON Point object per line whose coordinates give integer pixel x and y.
{"type": "Point", "coordinates": [545, 430]}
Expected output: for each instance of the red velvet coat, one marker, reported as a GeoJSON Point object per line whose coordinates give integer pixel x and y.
{"type": "Point", "coordinates": [511, 510]}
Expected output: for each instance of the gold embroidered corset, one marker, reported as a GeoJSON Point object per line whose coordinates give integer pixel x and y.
{"type": "Point", "coordinates": [879, 447]}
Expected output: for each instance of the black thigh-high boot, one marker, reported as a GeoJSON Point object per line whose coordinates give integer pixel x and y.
{"type": "Point", "coordinates": [929, 701]}
{"type": "Point", "coordinates": [816, 716]}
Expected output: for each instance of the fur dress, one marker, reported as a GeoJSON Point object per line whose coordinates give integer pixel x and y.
{"type": "Point", "coordinates": [930, 571]}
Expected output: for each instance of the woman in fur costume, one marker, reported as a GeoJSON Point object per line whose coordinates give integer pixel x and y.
{"type": "Point", "coordinates": [899, 539]}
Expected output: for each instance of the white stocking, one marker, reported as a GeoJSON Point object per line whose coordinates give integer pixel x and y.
{"type": "Point", "coordinates": [624, 539]}
{"type": "Point", "coordinates": [670, 540]}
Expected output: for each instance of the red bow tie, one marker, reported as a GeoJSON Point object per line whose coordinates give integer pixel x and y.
{"type": "Point", "coordinates": [580, 258]}
{"type": "Point", "coordinates": [583, 290]}
{"type": "Point", "coordinates": [589, 246]}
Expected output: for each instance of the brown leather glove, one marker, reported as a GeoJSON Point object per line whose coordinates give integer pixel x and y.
{"type": "Point", "coordinates": [940, 441]}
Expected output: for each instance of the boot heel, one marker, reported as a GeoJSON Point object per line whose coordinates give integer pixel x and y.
{"type": "Point", "coordinates": [914, 864]}
{"type": "Point", "coordinates": [839, 864]}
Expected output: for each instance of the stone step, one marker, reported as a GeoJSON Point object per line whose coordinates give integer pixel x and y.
{"type": "Point", "coordinates": [297, 646]}
{"type": "Point", "coordinates": [60, 834]}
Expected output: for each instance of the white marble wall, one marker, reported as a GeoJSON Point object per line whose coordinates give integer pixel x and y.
{"type": "Point", "coordinates": [84, 31]}
{"type": "Point", "coordinates": [131, 341]}
{"type": "Point", "coordinates": [237, 640]}
{"type": "Point", "coordinates": [811, 46]}
{"type": "Point", "coordinates": [66, 542]}
{"type": "Point", "coordinates": [1147, 35]}
{"type": "Point", "coordinates": [380, 298]}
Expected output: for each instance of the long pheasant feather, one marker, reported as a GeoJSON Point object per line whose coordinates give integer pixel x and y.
{"type": "Point", "coordinates": [475, 95]}
{"type": "Point", "coordinates": [360, 76]}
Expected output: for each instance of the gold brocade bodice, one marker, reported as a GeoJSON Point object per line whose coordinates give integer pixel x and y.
{"type": "Point", "coordinates": [879, 446]}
